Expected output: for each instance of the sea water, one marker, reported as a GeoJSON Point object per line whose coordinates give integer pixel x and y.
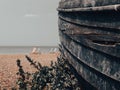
{"type": "Point", "coordinates": [25, 49]}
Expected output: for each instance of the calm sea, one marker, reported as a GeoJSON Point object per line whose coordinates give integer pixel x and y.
{"type": "Point", "coordinates": [25, 49]}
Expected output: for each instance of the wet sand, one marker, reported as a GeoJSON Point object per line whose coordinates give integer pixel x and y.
{"type": "Point", "coordinates": [8, 67]}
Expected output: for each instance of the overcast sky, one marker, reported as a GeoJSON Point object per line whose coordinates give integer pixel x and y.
{"type": "Point", "coordinates": [29, 22]}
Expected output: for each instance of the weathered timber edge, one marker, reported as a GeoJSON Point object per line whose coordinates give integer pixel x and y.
{"type": "Point", "coordinates": [94, 9]}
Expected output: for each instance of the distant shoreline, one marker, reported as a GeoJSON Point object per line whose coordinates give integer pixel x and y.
{"type": "Point", "coordinates": [31, 46]}
{"type": "Point", "coordinates": [26, 49]}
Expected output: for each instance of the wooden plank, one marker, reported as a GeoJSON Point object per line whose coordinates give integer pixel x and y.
{"type": "Point", "coordinates": [92, 9]}
{"type": "Point", "coordinates": [100, 61]}
{"type": "Point", "coordinates": [93, 20]}
{"type": "Point", "coordinates": [65, 4]}
{"type": "Point", "coordinates": [97, 79]}
{"type": "Point", "coordinates": [75, 29]}
{"type": "Point", "coordinates": [111, 48]}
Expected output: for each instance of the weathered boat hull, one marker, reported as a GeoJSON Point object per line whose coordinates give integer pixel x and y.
{"type": "Point", "coordinates": [86, 3]}
{"type": "Point", "coordinates": [90, 40]}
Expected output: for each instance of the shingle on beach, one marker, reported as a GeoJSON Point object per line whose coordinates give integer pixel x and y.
{"type": "Point", "coordinates": [8, 67]}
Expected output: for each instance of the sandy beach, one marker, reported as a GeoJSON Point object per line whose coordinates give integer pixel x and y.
{"type": "Point", "coordinates": [8, 67]}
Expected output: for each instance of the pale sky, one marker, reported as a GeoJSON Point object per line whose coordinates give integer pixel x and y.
{"type": "Point", "coordinates": [29, 22]}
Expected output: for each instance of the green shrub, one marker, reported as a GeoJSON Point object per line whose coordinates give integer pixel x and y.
{"type": "Point", "coordinates": [56, 77]}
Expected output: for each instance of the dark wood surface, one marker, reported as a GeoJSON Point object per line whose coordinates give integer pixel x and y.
{"type": "Point", "coordinates": [90, 41]}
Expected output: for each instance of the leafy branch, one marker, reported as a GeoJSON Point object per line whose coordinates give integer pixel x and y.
{"type": "Point", "coordinates": [56, 77]}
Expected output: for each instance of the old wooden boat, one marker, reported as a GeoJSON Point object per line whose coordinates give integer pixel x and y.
{"type": "Point", "coordinates": [89, 33]}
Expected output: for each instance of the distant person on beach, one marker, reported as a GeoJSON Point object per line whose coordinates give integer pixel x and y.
{"type": "Point", "coordinates": [34, 51]}
{"type": "Point", "coordinates": [53, 50]}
